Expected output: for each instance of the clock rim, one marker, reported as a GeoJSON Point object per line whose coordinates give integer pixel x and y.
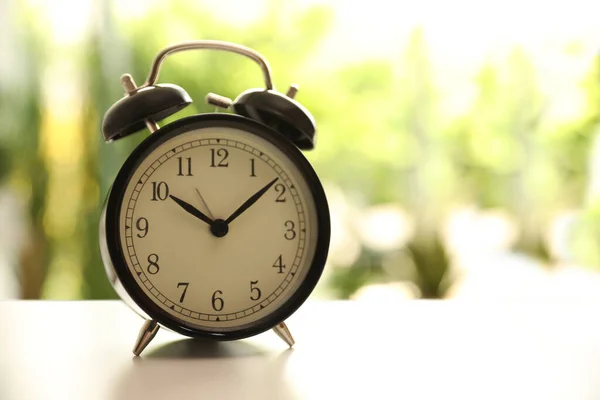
{"type": "Point", "coordinates": [113, 249]}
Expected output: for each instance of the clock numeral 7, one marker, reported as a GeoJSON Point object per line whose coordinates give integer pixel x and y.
{"type": "Point", "coordinates": [185, 287]}
{"type": "Point", "coordinates": [222, 155]}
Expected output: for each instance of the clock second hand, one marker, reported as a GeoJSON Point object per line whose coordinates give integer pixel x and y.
{"type": "Point", "coordinates": [205, 205]}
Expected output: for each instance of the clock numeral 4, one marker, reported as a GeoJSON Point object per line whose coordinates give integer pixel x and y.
{"type": "Point", "coordinates": [142, 225]}
{"type": "Point", "coordinates": [280, 188]}
{"type": "Point", "coordinates": [290, 233]}
{"type": "Point", "coordinates": [217, 302]}
{"type": "Point", "coordinates": [279, 264]}
{"type": "Point", "coordinates": [153, 266]}
{"type": "Point", "coordinates": [185, 287]}
{"type": "Point", "coordinates": [160, 191]}
{"type": "Point", "coordinates": [218, 157]}
{"type": "Point", "coordinates": [185, 166]}
{"type": "Point", "coordinates": [255, 292]}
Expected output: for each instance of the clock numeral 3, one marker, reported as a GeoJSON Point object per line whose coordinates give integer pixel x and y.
{"type": "Point", "coordinates": [222, 155]}
{"type": "Point", "coordinates": [280, 188]}
{"type": "Point", "coordinates": [188, 166]}
{"type": "Point", "coordinates": [217, 302]}
{"type": "Point", "coordinates": [279, 264]}
{"type": "Point", "coordinates": [185, 287]}
{"type": "Point", "coordinates": [255, 292]}
{"type": "Point", "coordinates": [142, 225]}
{"type": "Point", "coordinates": [160, 191]}
{"type": "Point", "coordinates": [153, 266]}
{"type": "Point", "coordinates": [290, 233]}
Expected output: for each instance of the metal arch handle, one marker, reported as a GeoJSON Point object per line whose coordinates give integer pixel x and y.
{"type": "Point", "coordinates": [213, 45]}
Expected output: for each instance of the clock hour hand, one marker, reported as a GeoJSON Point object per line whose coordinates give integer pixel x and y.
{"type": "Point", "coordinates": [192, 210]}
{"type": "Point", "coordinates": [250, 201]}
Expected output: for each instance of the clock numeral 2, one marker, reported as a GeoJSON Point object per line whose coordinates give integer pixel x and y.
{"type": "Point", "coordinates": [279, 264]}
{"type": "Point", "coordinates": [280, 188]}
{"type": "Point", "coordinates": [153, 266]}
{"type": "Point", "coordinates": [255, 292]}
{"type": "Point", "coordinates": [222, 154]}
{"type": "Point", "coordinates": [290, 233]}
{"type": "Point", "coordinates": [217, 302]}
{"type": "Point", "coordinates": [160, 191]}
{"type": "Point", "coordinates": [185, 287]}
{"type": "Point", "coordinates": [142, 225]}
{"type": "Point", "coordinates": [188, 168]}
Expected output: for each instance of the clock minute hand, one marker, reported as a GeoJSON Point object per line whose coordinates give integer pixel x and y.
{"type": "Point", "coordinates": [191, 209]}
{"type": "Point", "coordinates": [250, 201]}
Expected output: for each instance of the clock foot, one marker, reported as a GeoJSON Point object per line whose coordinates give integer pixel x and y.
{"type": "Point", "coordinates": [146, 335]}
{"type": "Point", "coordinates": [284, 333]}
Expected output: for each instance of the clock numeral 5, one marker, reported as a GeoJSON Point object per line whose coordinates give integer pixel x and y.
{"type": "Point", "coordinates": [279, 264]}
{"type": "Point", "coordinates": [217, 302]}
{"type": "Point", "coordinates": [153, 266]}
{"type": "Point", "coordinates": [185, 287]}
{"type": "Point", "coordinates": [142, 225]}
{"type": "Point", "coordinates": [160, 191]}
{"type": "Point", "coordinates": [255, 292]}
{"type": "Point", "coordinates": [188, 164]}
{"type": "Point", "coordinates": [222, 155]}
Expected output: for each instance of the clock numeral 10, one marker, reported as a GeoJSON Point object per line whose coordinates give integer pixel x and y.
{"type": "Point", "coordinates": [160, 191]}
{"type": "Point", "coordinates": [188, 166]}
{"type": "Point", "coordinates": [153, 266]}
{"type": "Point", "coordinates": [185, 287]}
{"type": "Point", "coordinates": [220, 154]}
{"type": "Point", "coordinates": [279, 264]}
{"type": "Point", "coordinates": [255, 292]}
{"type": "Point", "coordinates": [217, 302]}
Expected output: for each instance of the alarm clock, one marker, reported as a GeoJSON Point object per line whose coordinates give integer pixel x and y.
{"type": "Point", "coordinates": [216, 226]}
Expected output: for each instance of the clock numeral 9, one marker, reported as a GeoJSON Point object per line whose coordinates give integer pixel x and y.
{"type": "Point", "coordinates": [255, 292]}
{"type": "Point", "coordinates": [153, 266]}
{"type": "Point", "coordinates": [188, 163]}
{"type": "Point", "coordinates": [290, 233]}
{"type": "Point", "coordinates": [222, 154]}
{"type": "Point", "coordinates": [280, 188]}
{"type": "Point", "coordinates": [160, 191]}
{"type": "Point", "coordinates": [279, 264]}
{"type": "Point", "coordinates": [217, 302]}
{"type": "Point", "coordinates": [142, 225]}
{"type": "Point", "coordinates": [185, 287]}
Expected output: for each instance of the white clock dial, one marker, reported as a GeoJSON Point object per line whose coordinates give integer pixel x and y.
{"type": "Point", "coordinates": [239, 272]}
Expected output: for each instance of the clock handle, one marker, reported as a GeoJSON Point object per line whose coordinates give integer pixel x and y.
{"type": "Point", "coordinates": [284, 334]}
{"type": "Point", "coordinates": [145, 336]}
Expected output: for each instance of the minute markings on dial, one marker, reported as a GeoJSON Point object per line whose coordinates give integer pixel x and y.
{"type": "Point", "coordinates": [271, 295]}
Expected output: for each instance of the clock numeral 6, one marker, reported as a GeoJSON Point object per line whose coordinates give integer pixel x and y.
{"type": "Point", "coordinates": [255, 292]}
{"type": "Point", "coordinates": [142, 225]}
{"type": "Point", "coordinates": [153, 266]}
{"type": "Point", "coordinates": [217, 302]}
{"type": "Point", "coordinates": [185, 287]}
{"type": "Point", "coordinates": [222, 155]}
{"type": "Point", "coordinates": [280, 188]}
{"type": "Point", "coordinates": [290, 233]}
{"type": "Point", "coordinates": [279, 264]}
{"type": "Point", "coordinates": [160, 191]}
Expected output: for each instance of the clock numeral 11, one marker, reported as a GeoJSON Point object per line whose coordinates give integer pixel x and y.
{"type": "Point", "coordinates": [187, 170]}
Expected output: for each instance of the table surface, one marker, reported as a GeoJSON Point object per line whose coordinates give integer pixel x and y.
{"type": "Point", "coordinates": [344, 350]}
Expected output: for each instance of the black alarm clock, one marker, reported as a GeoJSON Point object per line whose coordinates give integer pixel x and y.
{"type": "Point", "coordinates": [216, 226]}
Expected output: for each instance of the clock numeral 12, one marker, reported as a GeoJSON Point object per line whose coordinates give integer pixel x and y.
{"type": "Point", "coordinates": [255, 292]}
{"type": "Point", "coordinates": [223, 154]}
{"type": "Point", "coordinates": [216, 301]}
{"type": "Point", "coordinates": [160, 191]}
{"type": "Point", "coordinates": [188, 163]}
{"type": "Point", "coordinates": [185, 287]}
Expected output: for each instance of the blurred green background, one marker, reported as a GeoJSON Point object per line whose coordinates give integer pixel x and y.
{"type": "Point", "coordinates": [457, 140]}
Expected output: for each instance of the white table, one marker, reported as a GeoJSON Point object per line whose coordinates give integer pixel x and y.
{"type": "Point", "coordinates": [344, 350]}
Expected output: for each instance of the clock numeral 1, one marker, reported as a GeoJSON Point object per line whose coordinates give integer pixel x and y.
{"type": "Point", "coordinates": [290, 233]}
{"type": "Point", "coordinates": [185, 287]}
{"type": "Point", "coordinates": [188, 166]}
{"type": "Point", "coordinates": [217, 302]}
{"type": "Point", "coordinates": [153, 266]}
{"type": "Point", "coordinates": [142, 225]}
{"type": "Point", "coordinates": [279, 264]}
{"type": "Point", "coordinates": [255, 292]}
{"type": "Point", "coordinates": [252, 173]}
{"type": "Point", "coordinates": [160, 191]}
{"type": "Point", "coordinates": [280, 188]}
{"type": "Point", "coordinates": [222, 154]}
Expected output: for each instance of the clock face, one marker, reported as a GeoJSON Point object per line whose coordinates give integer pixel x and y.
{"type": "Point", "coordinates": [218, 228]}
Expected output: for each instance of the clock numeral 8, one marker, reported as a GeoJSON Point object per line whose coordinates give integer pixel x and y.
{"type": "Point", "coordinates": [153, 266]}
{"type": "Point", "coordinates": [217, 302]}
{"type": "Point", "coordinates": [160, 191]}
{"type": "Point", "coordinates": [291, 232]}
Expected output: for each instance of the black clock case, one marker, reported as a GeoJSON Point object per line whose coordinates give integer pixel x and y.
{"type": "Point", "coordinates": [112, 255]}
